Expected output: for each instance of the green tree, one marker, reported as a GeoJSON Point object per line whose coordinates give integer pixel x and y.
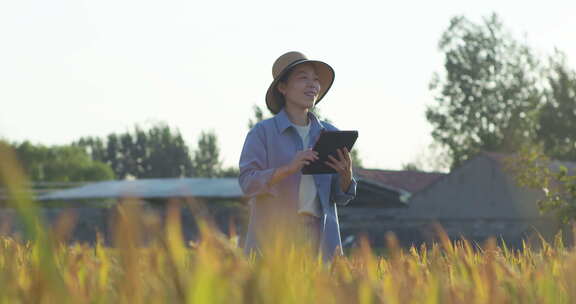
{"type": "Point", "coordinates": [532, 169]}
{"type": "Point", "coordinates": [258, 117]}
{"type": "Point", "coordinates": [94, 146]}
{"type": "Point", "coordinates": [488, 97]}
{"type": "Point", "coordinates": [154, 153]}
{"type": "Point", "coordinates": [539, 166]}
{"type": "Point", "coordinates": [207, 156]}
{"type": "Point", "coordinates": [557, 117]}
{"type": "Point", "coordinates": [167, 156]}
{"type": "Point", "coordinates": [60, 164]}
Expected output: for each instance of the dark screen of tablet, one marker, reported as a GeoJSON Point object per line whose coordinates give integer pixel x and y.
{"type": "Point", "coordinates": [327, 144]}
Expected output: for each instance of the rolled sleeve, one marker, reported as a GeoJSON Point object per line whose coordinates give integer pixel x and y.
{"type": "Point", "coordinates": [338, 196]}
{"type": "Point", "coordinates": [255, 177]}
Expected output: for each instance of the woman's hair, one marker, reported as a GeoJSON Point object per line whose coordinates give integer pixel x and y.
{"type": "Point", "coordinates": [286, 75]}
{"type": "Point", "coordinates": [283, 79]}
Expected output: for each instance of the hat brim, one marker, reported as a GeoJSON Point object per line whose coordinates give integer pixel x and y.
{"type": "Point", "coordinates": [325, 75]}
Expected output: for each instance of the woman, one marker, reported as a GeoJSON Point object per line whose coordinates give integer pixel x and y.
{"type": "Point", "coordinates": [276, 149]}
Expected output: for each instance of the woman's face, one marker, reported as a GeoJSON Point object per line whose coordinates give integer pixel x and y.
{"type": "Point", "coordinates": [302, 87]}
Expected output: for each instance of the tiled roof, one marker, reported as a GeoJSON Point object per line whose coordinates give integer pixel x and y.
{"type": "Point", "coordinates": [411, 181]}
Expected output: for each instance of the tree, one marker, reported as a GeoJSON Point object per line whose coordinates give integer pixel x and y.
{"type": "Point", "coordinates": [94, 146]}
{"type": "Point", "coordinates": [207, 156]}
{"type": "Point", "coordinates": [538, 166]}
{"type": "Point", "coordinates": [532, 169]}
{"type": "Point", "coordinates": [60, 164]}
{"type": "Point", "coordinates": [488, 97]}
{"type": "Point", "coordinates": [155, 153]}
{"type": "Point", "coordinates": [557, 119]}
{"type": "Point", "coordinates": [167, 156]}
{"type": "Point", "coordinates": [258, 117]}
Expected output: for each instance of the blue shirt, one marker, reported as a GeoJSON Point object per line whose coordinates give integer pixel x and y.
{"type": "Point", "coordinates": [271, 144]}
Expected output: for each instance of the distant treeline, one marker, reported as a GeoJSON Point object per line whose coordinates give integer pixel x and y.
{"type": "Point", "coordinates": [158, 152]}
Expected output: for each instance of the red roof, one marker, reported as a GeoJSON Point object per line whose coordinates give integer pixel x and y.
{"type": "Point", "coordinates": [411, 181]}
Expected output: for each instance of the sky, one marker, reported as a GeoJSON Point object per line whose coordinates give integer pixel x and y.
{"type": "Point", "coordinates": [89, 68]}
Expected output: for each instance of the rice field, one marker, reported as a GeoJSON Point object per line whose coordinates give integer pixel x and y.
{"type": "Point", "coordinates": [151, 263]}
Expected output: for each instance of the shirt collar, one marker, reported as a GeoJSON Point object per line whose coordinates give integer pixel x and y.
{"type": "Point", "coordinates": [283, 122]}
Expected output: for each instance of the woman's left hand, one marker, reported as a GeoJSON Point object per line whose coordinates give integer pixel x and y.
{"type": "Point", "coordinates": [342, 165]}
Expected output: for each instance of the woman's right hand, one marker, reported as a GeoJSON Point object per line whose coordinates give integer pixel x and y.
{"type": "Point", "coordinates": [302, 158]}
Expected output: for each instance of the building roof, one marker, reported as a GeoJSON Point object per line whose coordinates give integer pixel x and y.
{"type": "Point", "coordinates": [408, 180]}
{"type": "Point", "coordinates": [152, 188]}
{"type": "Point", "coordinates": [403, 183]}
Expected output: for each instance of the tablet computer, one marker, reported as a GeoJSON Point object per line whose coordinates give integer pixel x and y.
{"type": "Point", "coordinates": [327, 144]}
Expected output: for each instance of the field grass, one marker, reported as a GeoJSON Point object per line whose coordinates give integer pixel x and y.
{"type": "Point", "coordinates": [151, 263]}
{"type": "Point", "coordinates": [214, 270]}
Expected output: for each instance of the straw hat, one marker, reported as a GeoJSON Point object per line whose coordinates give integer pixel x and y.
{"type": "Point", "coordinates": [283, 65]}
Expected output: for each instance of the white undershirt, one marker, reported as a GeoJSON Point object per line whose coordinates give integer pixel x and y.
{"type": "Point", "coordinates": [308, 202]}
